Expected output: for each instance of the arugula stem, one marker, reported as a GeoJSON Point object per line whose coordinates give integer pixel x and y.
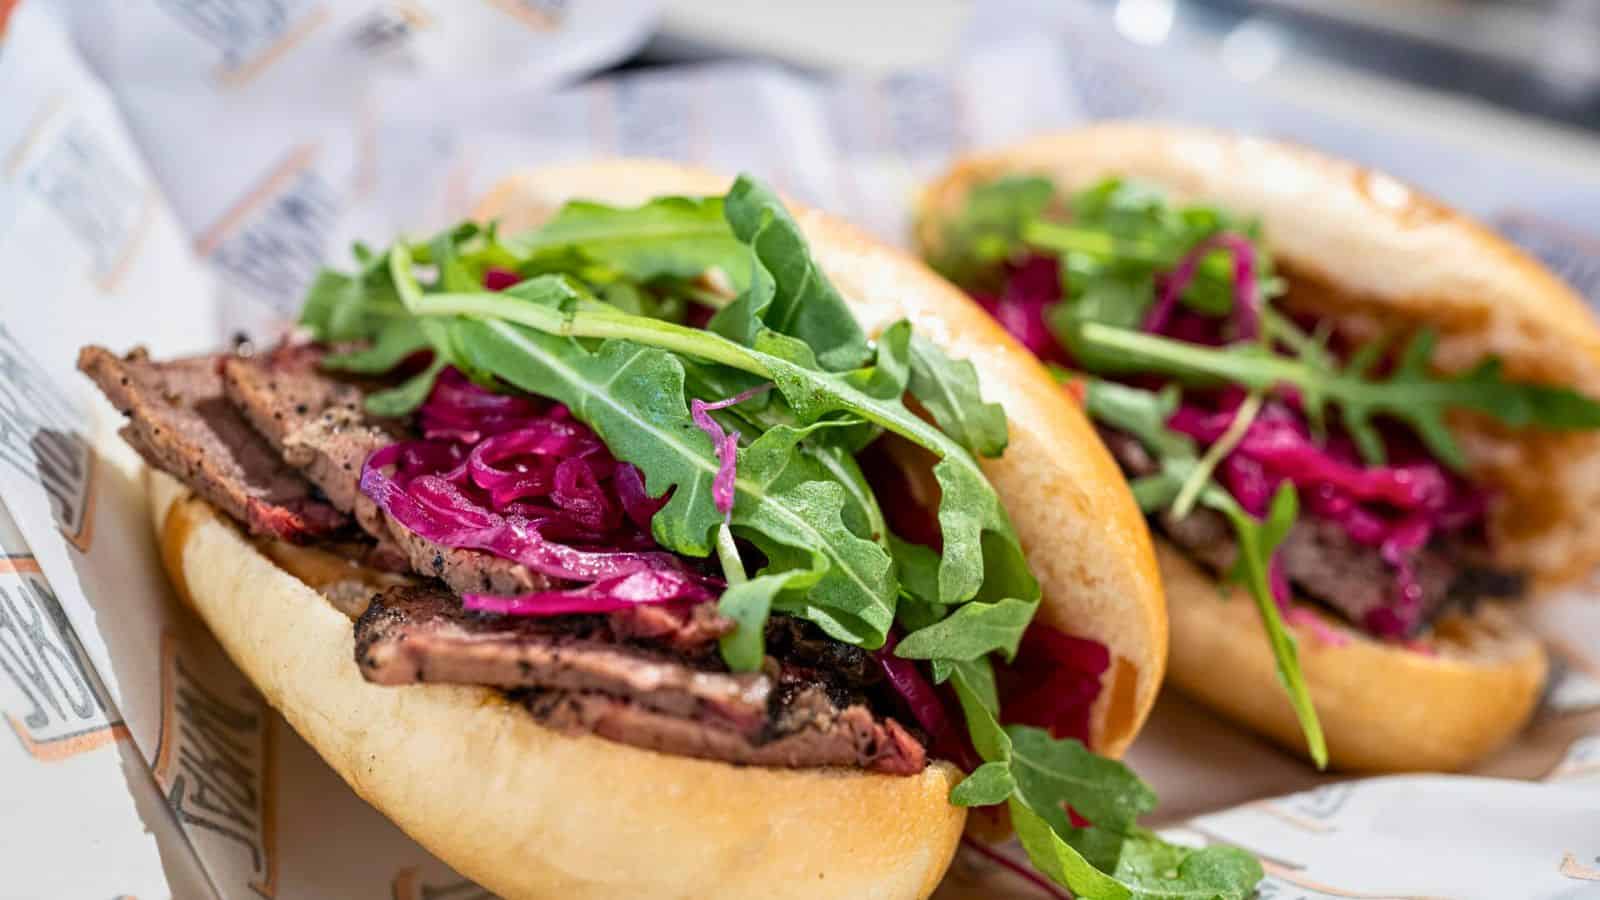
{"type": "Point", "coordinates": [1060, 238]}
{"type": "Point", "coordinates": [1183, 504]}
{"type": "Point", "coordinates": [1254, 560]}
{"type": "Point", "coordinates": [1257, 371]}
{"type": "Point", "coordinates": [728, 554]}
{"type": "Point", "coordinates": [693, 342]}
{"type": "Point", "coordinates": [594, 323]}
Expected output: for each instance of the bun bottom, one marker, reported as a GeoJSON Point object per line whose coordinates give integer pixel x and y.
{"type": "Point", "coordinates": [1383, 707]}
{"type": "Point", "coordinates": [530, 812]}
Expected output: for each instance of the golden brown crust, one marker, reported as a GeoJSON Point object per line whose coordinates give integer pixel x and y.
{"type": "Point", "coordinates": [531, 813]}
{"type": "Point", "coordinates": [1384, 707]}
{"type": "Point", "coordinates": [1363, 248]}
{"type": "Point", "coordinates": [1083, 535]}
{"type": "Point", "coordinates": [1369, 250]}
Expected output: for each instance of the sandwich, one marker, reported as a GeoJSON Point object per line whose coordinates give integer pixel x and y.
{"type": "Point", "coordinates": [1362, 425]}
{"type": "Point", "coordinates": [651, 537]}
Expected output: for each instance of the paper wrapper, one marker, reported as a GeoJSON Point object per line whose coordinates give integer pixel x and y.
{"type": "Point", "coordinates": [177, 175]}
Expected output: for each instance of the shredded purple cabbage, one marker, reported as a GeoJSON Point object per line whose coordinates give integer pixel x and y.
{"type": "Point", "coordinates": [726, 444]}
{"type": "Point", "coordinates": [1246, 299]}
{"type": "Point", "coordinates": [925, 704]}
{"type": "Point", "coordinates": [606, 595]}
{"type": "Point", "coordinates": [1031, 288]}
{"type": "Point", "coordinates": [1054, 681]}
{"type": "Point", "coordinates": [519, 478]}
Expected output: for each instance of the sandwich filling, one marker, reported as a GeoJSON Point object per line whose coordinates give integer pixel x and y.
{"type": "Point", "coordinates": [618, 471]}
{"type": "Point", "coordinates": [1271, 449]}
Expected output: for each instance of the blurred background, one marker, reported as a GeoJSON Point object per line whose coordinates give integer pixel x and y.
{"type": "Point", "coordinates": [1517, 74]}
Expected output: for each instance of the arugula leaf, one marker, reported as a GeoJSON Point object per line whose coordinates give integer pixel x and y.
{"type": "Point", "coordinates": [1410, 394]}
{"type": "Point", "coordinates": [396, 340]}
{"type": "Point", "coordinates": [748, 605]}
{"type": "Point", "coordinates": [1122, 235]}
{"type": "Point", "coordinates": [989, 227]}
{"type": "Point", "coordinates": [1257, 542]}
{"type": "Point", "coordinates": [972, 631]}
{"type": "Point", "coordinates": [980, 706]}
{"type": "Point", "coordinates": [1052, 855]}
{"type": "Point", "coordinates": [668, 237]}
{"type": "Point", "coordinates": [1052, 773]}
{"type": "Point", "coordinates": [852, 597]}
{"type": "Point", "coordinates": [1153, 869]}
{"type": "Point", "coordinates": [1141, 413]}
{"type": "Point", "coordinates": [408, 395]}
{"type": "Point", "coordinates": [949, 390]}
{"type": "Point", "coordinates": [1038, 777]}
{"type": "Point", "coordinates": [918, 568]}
{"type": "Point", "coordinates": [976, 677]}
{"type": "Point", "coordinates": [804, 303]}
{"type": "Point", "coordinates": [988, 784]}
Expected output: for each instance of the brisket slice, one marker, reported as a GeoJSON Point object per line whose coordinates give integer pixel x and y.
{"type": "Point", "coordinates": [410, 635]}
{"type": "Point", "coordinates": [575, 674]}
{"type": "Point", "coordinates": [1324, 563]}
{"type": "Point", "coordinates": [181, 423]}
{"type": "Point", "coordinates": [842, 737]}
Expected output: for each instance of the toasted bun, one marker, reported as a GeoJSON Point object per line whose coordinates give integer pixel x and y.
{"type": "Point", "coordinates": [532, 813]}
{"type": "Point", "coordinates": [1466, 691]}
{"type": "Point", "coordinates": [529, 812]}
{"type": "Point", "coordinates": [1364, 250]}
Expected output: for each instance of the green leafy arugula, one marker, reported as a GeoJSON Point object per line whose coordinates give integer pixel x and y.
{"type": "Point", "coordinates": [1038, 777]}
{"type": "Point", "coordinates": [1113, 240]}
{"type": "Point", "coordinates": [1410, 393]}
{"type": "Point", "coordinates": [988, 228]}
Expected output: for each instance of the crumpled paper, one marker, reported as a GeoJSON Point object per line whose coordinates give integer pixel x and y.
{"type": "Point", "coordinates": [173, 174]}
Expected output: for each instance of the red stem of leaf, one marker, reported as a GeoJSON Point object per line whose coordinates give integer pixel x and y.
{"type": "Point", "coordinates": [1018, 869]}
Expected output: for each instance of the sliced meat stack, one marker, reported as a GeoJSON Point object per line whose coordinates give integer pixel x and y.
{"type": "Point", "coordinates": [279, 446]}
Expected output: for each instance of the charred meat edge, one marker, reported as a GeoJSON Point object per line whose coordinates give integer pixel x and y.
{"type": "Point", "coordinates": [181, 422]}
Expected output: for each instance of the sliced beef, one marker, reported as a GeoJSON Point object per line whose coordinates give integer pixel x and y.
{"type": "Point", "coordinates": [283, 390]}
{"type": "Point", "coordinates": [685, 629]}
{"type": "Point", "coordinates": [180, 422]}
{"type": "Point", "coordinates": [317, 423]}
{"type": "Point", "coordinates": [577, 674]}
{"type": "Point", "coordinates": [839, 737]}
{"type": "Point", "coordinates": [1324, 563]}
{"type": "Point", "coordinates": [848, 670]}
{"type": "Point", "coordinates": [422, 634]}
{"type": "Point", "coordinates": [314, 421]}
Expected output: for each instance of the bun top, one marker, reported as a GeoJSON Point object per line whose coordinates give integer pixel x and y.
{"type": "Point", "coordinates": [1084, 537]}
{"type": "Point", "coordinates": [1373, 254]}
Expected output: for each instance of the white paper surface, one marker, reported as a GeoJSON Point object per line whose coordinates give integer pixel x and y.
{"type": "Point", "coordinates": [173, 173]}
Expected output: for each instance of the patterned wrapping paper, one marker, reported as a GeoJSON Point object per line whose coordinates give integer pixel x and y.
{"type": "Point", "coordinates": [174, 174]}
